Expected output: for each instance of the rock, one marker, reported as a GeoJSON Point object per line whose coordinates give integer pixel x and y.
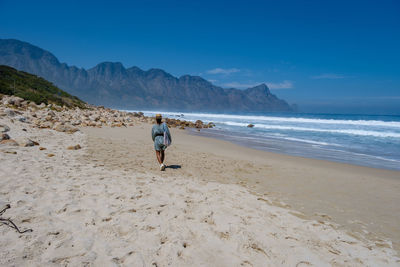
{"type": "Point", "coordinates": [4, 128]}
{"type": "Point", "coordinates": [94, 118]}
{"type": "Point", "coordinates": [25, 142]}
{"type": "Point", "coordinates": [13, 100]}
{"type": "Point", "coordinates": [21, 119]}
{"type": "Point", "coordinates": [42, 105]}
{"type": "Point", "coordinates": [118, 124]}
{"type": "Point", "coordinates": [77, 122]}
{"type": "Point", "coordinates": [33, 105]}
{"type": "Point", "coordinates": [10, 112]}
{"type": "Point", "coordinates": [57, 108]}
{"type": "Point", "coordinates": [50, 155]}
{"type": "Point", "coordinates": [42, 148]}
{"type": "Point", "coordinates": [75, 147]}
{"type": "Point", "coordinates": [18, 101]}
{"type": "Point", "coordinates": [9, 142]}
{"type": "Point", "coordinates": [9, 152]}
{"type": "Point", "coordinates": [46, 124]}
{"type": "Point", "coordinates": [199, 123]}
{"type": "Point", "coordinates": [250, 125]}
{"type": "Point", "coordinates": [4, 136]}
{"type": "Point", "coordinates": [66, 128]}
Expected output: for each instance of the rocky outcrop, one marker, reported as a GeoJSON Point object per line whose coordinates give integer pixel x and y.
{"type": "Point", "coordinates": [68, 120]}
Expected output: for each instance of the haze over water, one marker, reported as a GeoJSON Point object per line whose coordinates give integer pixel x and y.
{"type": "Point", "coordinates": [365, 140]}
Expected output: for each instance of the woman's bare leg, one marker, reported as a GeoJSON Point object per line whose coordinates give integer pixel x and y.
{"type": "Point", "coordinates": [158, 154]}
{"type": "Point", "coordinates": [162, 156]}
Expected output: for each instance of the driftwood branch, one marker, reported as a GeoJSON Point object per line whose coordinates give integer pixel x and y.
{"type": "Point", "coordinates": [6, 207]}
{"type": "Point", "coordinates": [10, 223]}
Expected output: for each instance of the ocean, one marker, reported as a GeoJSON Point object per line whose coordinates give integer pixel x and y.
{"type": "Point", "coordinates": [365, 140]}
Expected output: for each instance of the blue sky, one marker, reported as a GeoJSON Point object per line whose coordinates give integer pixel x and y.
{"type": "Point", "coordinates": [326, 56]}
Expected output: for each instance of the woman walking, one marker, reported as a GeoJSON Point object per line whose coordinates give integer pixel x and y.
{"type": "Point", "coordinates": [162, 138]}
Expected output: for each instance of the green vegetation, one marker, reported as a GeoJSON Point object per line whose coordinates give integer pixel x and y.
{"type": "Point", "coordinates": [33, 88]}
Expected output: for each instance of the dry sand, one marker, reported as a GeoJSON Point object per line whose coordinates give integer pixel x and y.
{"type": "Point", "coordinates": [217, 204]}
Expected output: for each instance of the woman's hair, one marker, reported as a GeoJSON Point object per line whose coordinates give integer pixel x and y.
{"type": "Point", "coordinates": [158, 120]}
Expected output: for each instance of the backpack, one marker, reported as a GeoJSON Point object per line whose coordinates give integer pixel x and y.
{"type": "Point", "coordinates": [167, 141]}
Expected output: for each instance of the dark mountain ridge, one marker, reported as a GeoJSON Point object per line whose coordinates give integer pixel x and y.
{"type": "Point", "coordinates": [111, 84]}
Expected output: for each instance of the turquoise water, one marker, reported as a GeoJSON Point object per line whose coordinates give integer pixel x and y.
{"type": "Point", "coordinates": [366, 140]}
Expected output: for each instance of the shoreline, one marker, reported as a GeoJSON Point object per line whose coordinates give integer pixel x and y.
{"type": "Point", "coordinates": [360, 200]}
{"type": "Point", "coordinates": [262, 146]}
{"type": "Point", "coordinates": [350, 139]}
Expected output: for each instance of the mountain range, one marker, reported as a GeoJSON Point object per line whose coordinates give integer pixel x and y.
{"type": "Point", "coordinates": [111, 84]}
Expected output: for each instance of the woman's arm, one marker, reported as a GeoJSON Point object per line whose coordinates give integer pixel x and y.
{"type": "Point", "coordinates": [168, 133]}
{"type": "Point", "coordinates": [153, 135]}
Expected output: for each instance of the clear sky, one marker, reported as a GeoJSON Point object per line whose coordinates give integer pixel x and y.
{"type": "Point", "coordinates": [326, 56]}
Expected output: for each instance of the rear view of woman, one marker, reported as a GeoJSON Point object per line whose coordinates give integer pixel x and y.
{"type": "Point", "coordinates": [162, 138]}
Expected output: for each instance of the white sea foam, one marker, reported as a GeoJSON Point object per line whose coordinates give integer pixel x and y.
{"type": "Point", "coordinates": [304, 129]}
{"type": "Point", "coordinates": [223, 117]}
{"type": "Point", "coordinates": [309, 141]}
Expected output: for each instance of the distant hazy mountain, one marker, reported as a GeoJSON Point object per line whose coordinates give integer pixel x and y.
{"type": "Point", "coordinates": [110, 84]}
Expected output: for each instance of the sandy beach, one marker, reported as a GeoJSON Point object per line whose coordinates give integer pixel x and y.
{"type": "Point", "coordinates": [217, 204]}
{"type": "Point", "coordinates": [363, 201]}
